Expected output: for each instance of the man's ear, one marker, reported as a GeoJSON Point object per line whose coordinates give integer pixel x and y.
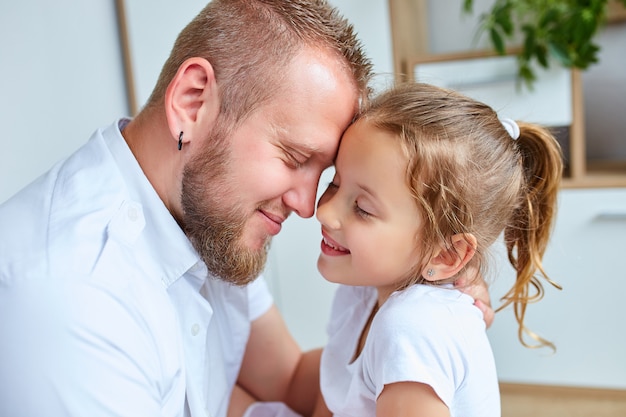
{"type": "Point", "coordinates": [191, 99]}
{"type": "Point", "coordinates": [446, 262]}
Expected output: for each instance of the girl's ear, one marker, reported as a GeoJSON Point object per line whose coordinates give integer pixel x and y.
{"type": "Point", "coordinates": [447, 262]}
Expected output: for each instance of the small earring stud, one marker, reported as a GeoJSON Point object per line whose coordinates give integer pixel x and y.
{"type": "Point", "coordinates": [180, 140]}
{"type": "Point", "coordinates": [430, 272]}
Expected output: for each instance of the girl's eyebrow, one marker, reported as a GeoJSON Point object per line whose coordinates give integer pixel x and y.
{"type": "Point", "coordinates": [367, 190]}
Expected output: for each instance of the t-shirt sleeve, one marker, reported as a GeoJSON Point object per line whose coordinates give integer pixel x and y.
{"type": "Point", "coordinates": [417, 346]}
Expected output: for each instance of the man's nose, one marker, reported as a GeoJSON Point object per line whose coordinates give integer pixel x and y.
{"type": "Point", "coordinates": [301, 197]}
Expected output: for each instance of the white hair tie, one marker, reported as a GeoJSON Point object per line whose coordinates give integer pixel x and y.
{"type": "Point", "coordinates": [511, 126]}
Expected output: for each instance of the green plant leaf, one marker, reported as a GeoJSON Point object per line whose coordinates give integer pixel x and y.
{"type": "Point", "coordinates": [498, 42]}
{"type": "Point", "coordinates": [548, 18]}
{"type": "Point", "coordinates": [468, 6]}
{"type": "Point", "coordinates": [502, 17]}
{"type": "Point", "coordinates": [560, 54]}
{"type": "Point", "coordinates": [530, 42]}
{"type": "Point", "coordinates": [541, 53]}
{"type": "Point", "coordinates": [562, 29]}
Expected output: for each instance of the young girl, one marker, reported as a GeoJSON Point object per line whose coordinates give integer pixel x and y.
{"type": "Point", "coordinates": [426, 180]}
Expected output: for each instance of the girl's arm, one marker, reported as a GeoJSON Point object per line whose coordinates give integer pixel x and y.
{"type": "Point", "coordinates": [410, 399]}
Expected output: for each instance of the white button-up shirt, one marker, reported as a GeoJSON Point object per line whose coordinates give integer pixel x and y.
{"type": "Point", "coordinates": [105, 307]}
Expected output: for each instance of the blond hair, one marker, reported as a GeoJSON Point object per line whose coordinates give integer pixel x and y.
{"type": "Point", "coordinates": [250, 42]}
{"type": "Point", "coordinates": [469, 176]}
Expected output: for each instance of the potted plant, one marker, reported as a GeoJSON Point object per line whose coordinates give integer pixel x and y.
{"type": "Point", "coordinates": [544, 29]}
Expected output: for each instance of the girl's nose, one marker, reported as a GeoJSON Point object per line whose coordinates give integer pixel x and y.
{"type": "Point", "coordinates": [327, 214]}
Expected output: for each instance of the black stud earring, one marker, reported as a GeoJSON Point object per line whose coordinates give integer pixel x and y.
{"type": "Point", "coordinates": [180, 140]}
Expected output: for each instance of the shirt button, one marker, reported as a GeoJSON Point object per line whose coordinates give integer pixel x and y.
{"type": "Point", "coordinates": [195, 329]}
{"type": "Point", "coordinates": [133, 214]}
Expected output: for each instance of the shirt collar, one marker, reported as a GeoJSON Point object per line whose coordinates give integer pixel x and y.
{"type": "Point", "coordinates": [165, 240]}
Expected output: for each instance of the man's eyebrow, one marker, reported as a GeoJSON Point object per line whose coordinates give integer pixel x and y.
{"type": "Point", "coordinates": [303, 148]}
{"type": "Point", "coordinates": [309, 150]}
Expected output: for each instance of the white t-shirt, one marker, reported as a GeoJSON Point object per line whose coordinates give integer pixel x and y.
{"type": "Point", "coordinates": [105, 307]}
{"type": "Point", "coordinates": [423, 334]}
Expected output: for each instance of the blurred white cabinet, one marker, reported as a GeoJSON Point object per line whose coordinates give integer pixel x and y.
{"type": "Point", "coordinates": [586, 319]}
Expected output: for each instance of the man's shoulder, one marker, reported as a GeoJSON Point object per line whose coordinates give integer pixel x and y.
{"type": "Point", "coordinates": [65, 211]}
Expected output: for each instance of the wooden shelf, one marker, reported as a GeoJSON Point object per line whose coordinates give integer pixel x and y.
{"type": "Point", "coordinates": [616, 12]}
{"type": "Point", "coordinates": [599, 174]}
{"type": "Point", "coordinates": [549, 400]}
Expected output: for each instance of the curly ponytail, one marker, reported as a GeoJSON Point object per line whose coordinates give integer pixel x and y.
{"type": "Point", "coordinates": [527, 235]}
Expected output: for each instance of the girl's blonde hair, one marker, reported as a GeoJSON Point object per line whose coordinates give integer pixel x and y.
{"type": "Point", "coordinates": [469, 176]}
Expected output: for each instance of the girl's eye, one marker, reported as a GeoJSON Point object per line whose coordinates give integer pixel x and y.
{"type": "Point", "coordinates": [359, 211]}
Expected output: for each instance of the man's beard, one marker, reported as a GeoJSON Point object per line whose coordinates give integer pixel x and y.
{"type": "Point", "coordinates": [214, 228]}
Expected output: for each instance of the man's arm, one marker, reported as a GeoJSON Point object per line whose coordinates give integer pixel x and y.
{"type": "Point", "coordinates": [275, 369]}
{"type": "Point", "coordinates": [477, 288]}
{"type": "Point", "coordinates": [240, 400]}
{"type": "Point", "coordinates": [321, 410]}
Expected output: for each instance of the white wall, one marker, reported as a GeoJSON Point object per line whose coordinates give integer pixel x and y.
{"type": "Point", "coordinates": [151, 39]}
{"type": "Point", "coordinates": [60, 78]}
